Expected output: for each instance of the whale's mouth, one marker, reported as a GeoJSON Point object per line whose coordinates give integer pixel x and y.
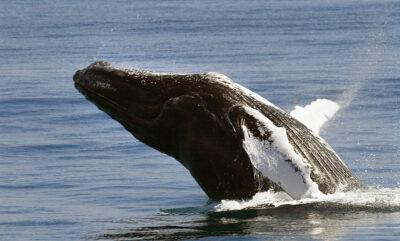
{"type": "Point", "coordinates": [112, 94]}
{"type": "Point", "coordinates": [99, 99]}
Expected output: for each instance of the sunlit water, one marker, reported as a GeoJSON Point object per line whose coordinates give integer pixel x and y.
{"type": "Point", "coordinates": [67, 171]}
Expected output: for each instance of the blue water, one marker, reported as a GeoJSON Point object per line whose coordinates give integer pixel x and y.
{"type": "Point", "coordinates": [69, 172]}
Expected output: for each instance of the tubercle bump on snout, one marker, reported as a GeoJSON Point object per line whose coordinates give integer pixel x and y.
{"type": "Point", "coordinates": [99, 70]}
{"type": "Point", "coordinates": [100, 63]}
{"type": "Point", "coordinates": [75, 77]}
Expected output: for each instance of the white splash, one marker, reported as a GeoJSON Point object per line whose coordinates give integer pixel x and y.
{"type": "Point", "coordinates": [271, 157]}
{"type": "Point", "coordinates": [262, 198]}
{"type": "Point", "coordinates": [316, 114]}
{"type": "Point", "coordinates": [369, 198]}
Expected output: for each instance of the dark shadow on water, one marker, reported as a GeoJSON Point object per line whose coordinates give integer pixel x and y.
{"type": "Point", "coordinates": [320, 221]}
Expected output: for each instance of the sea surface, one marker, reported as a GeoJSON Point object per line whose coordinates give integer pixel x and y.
{"type": "Point", "coordinates": [69, 172]}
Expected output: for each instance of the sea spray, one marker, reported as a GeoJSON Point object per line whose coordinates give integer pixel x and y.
{"type": "Point", "coordinates": [368, 199]}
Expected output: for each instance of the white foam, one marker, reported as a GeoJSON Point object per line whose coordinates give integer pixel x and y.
{"type": "Point", "coordinates": [271, 157]}
{"type": "Point", "coordinates": [369, 198]}
{"type": "Point", "coordinates": [261, 198]}
{"type": "Point", "coordinates": [316, 114]}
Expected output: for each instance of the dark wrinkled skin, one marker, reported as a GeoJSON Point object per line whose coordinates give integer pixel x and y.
{"type": "Point", "coordinates": [197, 120]}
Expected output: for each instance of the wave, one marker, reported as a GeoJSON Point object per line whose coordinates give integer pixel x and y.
{"type": "Point", "coordinates": [370, 198]}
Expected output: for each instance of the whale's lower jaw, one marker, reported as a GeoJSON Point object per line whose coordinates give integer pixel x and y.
{"type": "Point", "coordinates": [233, 142]}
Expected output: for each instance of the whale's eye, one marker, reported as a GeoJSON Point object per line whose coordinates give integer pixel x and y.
{"type": "Point", "coordinates": [186, 102]}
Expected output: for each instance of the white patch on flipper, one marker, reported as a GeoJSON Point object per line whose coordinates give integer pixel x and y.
{"type": "Point", "coordinates": [316, 114]}
{"type": "Point", "coordinates": [271, 157]}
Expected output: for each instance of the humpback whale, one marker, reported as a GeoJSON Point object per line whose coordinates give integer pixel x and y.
{"type": "Point", "coordinates": [233, 142]}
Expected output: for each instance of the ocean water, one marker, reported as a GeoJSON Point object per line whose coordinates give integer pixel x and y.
{"type": "Point", "coordinates": [69, 172]}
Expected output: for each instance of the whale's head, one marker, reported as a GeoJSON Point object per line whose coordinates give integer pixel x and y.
{"type": "Point", "coordinates": [160, 109]}
{"type": "Point", "coordinates": [188, 117]}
